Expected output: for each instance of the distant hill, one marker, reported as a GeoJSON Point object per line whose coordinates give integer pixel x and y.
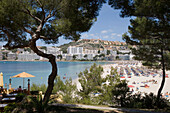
{"type": "Point", "coordinates": [96, 44]}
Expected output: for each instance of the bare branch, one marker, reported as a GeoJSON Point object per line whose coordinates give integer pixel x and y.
{"type": "Point", "coordinates": [49, 16]}
{"type": "Point", "coordinates": [29, 13]}
{"type": "Point", "coordinates": [43, 37]}
{"type": "Point", "coordinates": [28, 31]}
{"type": "Point", "coordinates": [42, 9]}
{"type": "Point", "coordinates": [39, 3]}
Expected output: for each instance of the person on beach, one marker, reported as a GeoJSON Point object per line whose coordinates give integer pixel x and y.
{"type": "Point", "coordinates": [166, 95]}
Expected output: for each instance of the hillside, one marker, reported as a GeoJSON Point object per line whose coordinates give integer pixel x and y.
{"type": "Point", "coordinates": [93, 44]}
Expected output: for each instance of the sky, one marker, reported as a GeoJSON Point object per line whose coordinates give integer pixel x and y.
{"type": "Point", "coordinates": [109, 26]}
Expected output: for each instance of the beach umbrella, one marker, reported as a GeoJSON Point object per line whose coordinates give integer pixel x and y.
{"type": "Point", "coordinates": [23, 75]}
{"type": "Point", "coordinates": [131, 86]}
{"type": "Point", "coordinates": [1, 79]}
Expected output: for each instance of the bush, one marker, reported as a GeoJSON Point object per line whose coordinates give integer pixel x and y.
{"type": "Point", "coordinates": [20, 96]}
{"type": "Point", "coordinates": [10, 107]}
{"type": "Point", "coordinates": [36, 87]}
{"type": "Point", "coordinates": [147, 101]}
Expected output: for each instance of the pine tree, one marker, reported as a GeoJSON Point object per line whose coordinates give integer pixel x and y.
{"type": "Point", "coordinates": [91, 82]}
{"type": "Point", "coordinates": [149, 31]}
{"type": "Point", "coordinates": [24, 22]}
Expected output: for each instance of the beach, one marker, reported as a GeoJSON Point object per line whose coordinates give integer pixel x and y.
{"type": "Point", "coordinates": [147, 82]}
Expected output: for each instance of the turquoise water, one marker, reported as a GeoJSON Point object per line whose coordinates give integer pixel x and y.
{"type": "Point", "coordinates": [40, 70]}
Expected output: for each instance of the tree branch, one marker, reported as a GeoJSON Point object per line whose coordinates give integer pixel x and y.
{"type": "Point", "coordinates": [16, 46]}
{"type": "Point", "coordinates": [39, 3]}
{"type": "Point", "coordinates": [42, 9]}
{"type": "Point", "coordinates": [49, 16]}
{"type": "Point", "coordinates": [29, 13]}
{"type": "Point", "coordinates": [9, 42]}
{"type": "Point", "coordinates": [46, 38]}
{"type": "Point", "coordinates": [28, 31]}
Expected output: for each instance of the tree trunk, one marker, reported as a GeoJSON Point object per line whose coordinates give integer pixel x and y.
{"type": "Point", "coordinates": [163, 79]}
{"type": "Point", "coordinates": [52, 76]}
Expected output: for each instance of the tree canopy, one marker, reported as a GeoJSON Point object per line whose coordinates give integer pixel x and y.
{"type": "Point", "coordinates": [24, 22]}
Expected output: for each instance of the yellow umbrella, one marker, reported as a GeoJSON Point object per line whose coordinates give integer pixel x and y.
{"type": "Point", "coordinates": [23, 75]}
{"type": "Point", "coordinates": [1, 79]}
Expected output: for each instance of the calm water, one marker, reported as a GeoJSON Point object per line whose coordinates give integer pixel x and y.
{"type": "Point", "coordinates": [40, 70]}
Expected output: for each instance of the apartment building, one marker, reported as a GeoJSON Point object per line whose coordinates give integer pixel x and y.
{"type": "Point", "coordinates": [11, 56]}
{"type": "Point", "coordinates": [26, 56]}
{"type": "Point", "coordinates": [53, 50]}
{"type": "Point", "coordinates": [1, 55]}
{"type": "Point", "coordinates": [74, 50]}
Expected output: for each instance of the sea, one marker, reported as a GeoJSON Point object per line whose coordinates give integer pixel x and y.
{"type": "Point", "coordinates": [41, 70]}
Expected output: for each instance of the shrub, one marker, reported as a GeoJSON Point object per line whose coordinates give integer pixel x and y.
{"type": "Point", "coordinates": [10, 107]}
{"type": "Point", "coordinates": [20, 96]}
{"type": "Point", "coordinates": [147, 101]}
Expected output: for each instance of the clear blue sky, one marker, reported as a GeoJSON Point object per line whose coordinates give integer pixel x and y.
{"type": "Point", "coordinates": [109, 26]}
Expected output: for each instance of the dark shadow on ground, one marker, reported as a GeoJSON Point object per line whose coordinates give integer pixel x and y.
{"type": "Point", "coordinates": [63, 109]}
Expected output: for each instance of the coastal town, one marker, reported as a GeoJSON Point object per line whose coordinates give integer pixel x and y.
{"type": "Point", "coordinates": [100, 50]}
{"type": "Point", "coordinates": [84, 56]}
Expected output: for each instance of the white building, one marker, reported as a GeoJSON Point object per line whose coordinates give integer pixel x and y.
{"type": "Point", "coordinates": [11, 56]}
{"type": "Point", "coordinates": [90, 56]}
{"type": "Point", "coordinates": [26, 56]}
{"type": "Point", "coordinates": [1, 55]}
{"type": "Point", "coordinates": [113, 52]}
{"type": "Point", "coordinates": [52, 50]}
{"type": "Point", "coordinates": [69, 57]}
{"type": "Point", "coordinates": [124, 57]}
{"type": "Point", "coordinates": [87, 51]}
{"type": "Point", "coordinates": [124, 51]}
{"type": "Point", "coordinates": [74, 50]}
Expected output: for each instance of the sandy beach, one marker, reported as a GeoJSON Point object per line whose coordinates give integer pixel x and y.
{"type": "Point", "coordinates": [138, 83]}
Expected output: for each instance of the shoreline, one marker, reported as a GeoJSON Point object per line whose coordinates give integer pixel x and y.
{"type": "Point", "coordinates": [138, 81]}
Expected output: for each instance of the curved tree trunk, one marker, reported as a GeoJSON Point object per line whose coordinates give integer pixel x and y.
{"type": "Point", "coordinates": [52, 60]}
{"type": "Point", "coordinates": [163, 79]}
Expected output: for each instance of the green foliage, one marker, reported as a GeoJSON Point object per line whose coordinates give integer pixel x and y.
{"type": "Point", "coordinates": [68, 18]}
{"type": "Point", "coordinates": [14, 50]}
{"type": "Point", "coordinates": [95, 57]}
{"type": "Point", "coordinates": [108, 52]}
{"type": "Point", "coordinates": [85, 56]}
{"type": "Point", "coordinates": [27, 49]}
{"type": "Point", "coordinates": [39, 105]}
{"type": "Point", "coordinates": [67, 89]}
{"type": "Point", "coordinates": [91, 82]}
{"type": "Point", "coordinates": [149, 31]}
{"type": "Point", "coordinates": [117, 57]}
{"type": "Point", "coordinates": [98, 51]}
{"type": "Point", "coordinates": [43, 47]}
{"type": "Point", "coordinates": [59, 56]}
{"type": "Point", "coordinates": [36, 87]}
{"type": "Point", "coordinates": [10, 107]}
{"type": "Point", "coordinates": [74, 57]}
{"type": "Point", "coordinates": [33, 104]}
{"type": "Point", "coordinates": [24, 22]}
{"type": "Point", "coordinates": [20, 96]}
{"type": "Point", "coordinates": [146, 102]}
{"type": "Point", "coordinates": [102, 55]}
{"type": "Point", "coordinates": [58, 85]}
{"type": "Point", "coordinates": [120, 91]}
